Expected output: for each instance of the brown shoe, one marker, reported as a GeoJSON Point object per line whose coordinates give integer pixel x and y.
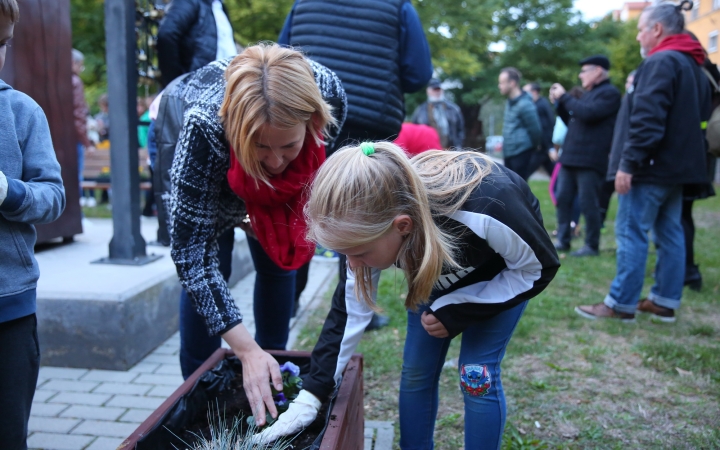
{"type": "Point", "coordinates": [659, 313]}
{"type": "Point", "coordinates": [601, 311]}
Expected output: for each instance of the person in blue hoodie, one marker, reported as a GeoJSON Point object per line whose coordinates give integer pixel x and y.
{"type": "Point", "coordinates": [31, 191]}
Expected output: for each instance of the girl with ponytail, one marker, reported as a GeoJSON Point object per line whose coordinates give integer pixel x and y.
{"type": "Point", "coordinates": [469, 236]}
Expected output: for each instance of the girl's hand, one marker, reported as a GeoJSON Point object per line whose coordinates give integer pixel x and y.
{"type": "Point", "coordinates": [301, 413]}
{"type": "Point", "coordinates": [433, 326]}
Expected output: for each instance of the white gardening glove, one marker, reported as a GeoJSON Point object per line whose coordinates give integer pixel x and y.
{"type": "Point", "coordinates": [301, 413]}
{"type": "Point", "coordinates": [3, 187]}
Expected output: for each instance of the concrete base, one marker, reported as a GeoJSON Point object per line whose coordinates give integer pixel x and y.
{"type": "Point", "coordinates": [103, 316]}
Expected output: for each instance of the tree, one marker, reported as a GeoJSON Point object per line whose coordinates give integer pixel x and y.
{"type": "Point", "coordinates": [257, 20]}
{"type": "Point", "coordinates": [623, 50]}
{"type": "Point", "coordinates": [459, 33]}
{"type": "Point", "coordinates": [88, 35]}
{"type": "Point", "coordinates": [547, 41]}
{"type": "Point", "coordinates": [252, 20]}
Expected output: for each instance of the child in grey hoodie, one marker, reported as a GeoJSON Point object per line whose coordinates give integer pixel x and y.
{"type": "Point", "coordinates": [31, 191]}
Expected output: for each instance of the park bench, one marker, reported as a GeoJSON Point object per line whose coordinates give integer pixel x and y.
{"type": "Point", "coordinates": [96, 171]}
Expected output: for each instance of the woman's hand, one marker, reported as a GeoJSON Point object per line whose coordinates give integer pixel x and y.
{"type": "Point", "coordinates": [433, 326]}
{"type": "Point", "coordinates": [246, 226]}
{"type": "Point", "coordinates": [258, 368]}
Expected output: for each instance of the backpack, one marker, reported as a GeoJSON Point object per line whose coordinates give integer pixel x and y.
{"type": "Point", "coordinates": [712, 126]}
{"type": "Point", "coordinates": [168, 126]}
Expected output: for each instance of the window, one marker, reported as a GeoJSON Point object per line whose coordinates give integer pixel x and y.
{"type": "Point", "coordinates": [696, 10]}
{"type": "Point", "coordinates": [716, 4]}
{"type": "Point", "coordinates": [713, 42]}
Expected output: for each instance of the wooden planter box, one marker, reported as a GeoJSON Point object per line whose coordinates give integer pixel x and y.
{"type": "Point", "coordinates": [345, 427]}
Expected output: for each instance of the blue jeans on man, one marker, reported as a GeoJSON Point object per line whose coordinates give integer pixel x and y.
{"type": "Point", "coordinates": [656, 208]}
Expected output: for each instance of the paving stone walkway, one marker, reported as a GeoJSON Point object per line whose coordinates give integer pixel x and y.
{"type": "Point", "coordinates": [81, 409]}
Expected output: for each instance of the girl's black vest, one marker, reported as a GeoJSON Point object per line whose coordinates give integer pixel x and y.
{"type": "Point", "coordinates": [360, 42]}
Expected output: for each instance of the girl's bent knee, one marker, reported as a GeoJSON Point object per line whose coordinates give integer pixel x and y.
{"type": "Point", "coordinates": [476, 381]}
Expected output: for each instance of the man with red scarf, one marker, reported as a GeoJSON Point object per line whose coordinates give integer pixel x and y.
{"type": "Point", "coordinates": [659, 146]}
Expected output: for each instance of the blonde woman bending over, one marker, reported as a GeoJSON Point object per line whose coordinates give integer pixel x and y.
{"type": "Point", "coordinates": [469, 236]}
{"type": "Point", "coordinates": [254, 134]}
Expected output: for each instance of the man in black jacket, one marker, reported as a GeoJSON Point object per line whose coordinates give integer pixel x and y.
{"type": "Point", "coordinates": [546, 114]}
{"type": "Point", "coordinates": [192, 34]}
{"type": "Point", "coordinates": [659, 146]}
{"type": "Point", "coordinates": [590, 120]}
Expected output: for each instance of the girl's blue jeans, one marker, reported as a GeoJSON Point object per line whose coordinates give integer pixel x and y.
{"type": "Point", "coordinates": [482, 349]}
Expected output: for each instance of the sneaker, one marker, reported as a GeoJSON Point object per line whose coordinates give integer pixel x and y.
{"type": "Point", "coordinates": [561, 248]}
{"type": "Point", "coordinates": [83, 201]}
{"type": "Point", "coordinates": [659, 313]}
{"type": "Point", "coordinates": [324, 254]}
{"type": "Point", "coordinates": [602, 311]}
{"type": "Point", "coordinates": [585, 251]}
{"type": "Point", "coordinates": [90, 202]}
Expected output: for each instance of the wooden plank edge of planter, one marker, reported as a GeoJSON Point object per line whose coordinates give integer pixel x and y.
{"type": "Point", "coordinates": [347, 395]}
{"type": "Point", "coordinates": [346, 427]}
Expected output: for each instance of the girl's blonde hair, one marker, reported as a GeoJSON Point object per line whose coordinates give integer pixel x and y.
{"type": "Point", "coordinates": [270, 84]}
{"type": "Point", "coordinates": [355, 198]}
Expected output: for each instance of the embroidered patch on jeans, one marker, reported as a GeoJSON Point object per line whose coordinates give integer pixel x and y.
{"type": "Point", "coordinates": [475, 379]}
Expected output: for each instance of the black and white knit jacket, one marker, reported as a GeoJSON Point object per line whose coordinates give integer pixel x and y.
{"type": "Point", "coordinates": [202, 205]}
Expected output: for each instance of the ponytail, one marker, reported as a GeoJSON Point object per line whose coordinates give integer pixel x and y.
{"type": "Point", "coordinates": [356, 197]}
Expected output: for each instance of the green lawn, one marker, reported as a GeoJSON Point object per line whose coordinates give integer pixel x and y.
{"type": "Point", "coordinates": [574, 383]}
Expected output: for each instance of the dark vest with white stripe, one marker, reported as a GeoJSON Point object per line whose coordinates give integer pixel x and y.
{"type": "Point", "coordinates": [359, 40]}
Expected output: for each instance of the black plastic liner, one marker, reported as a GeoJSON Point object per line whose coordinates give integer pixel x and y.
{"type": "Point", "coordinates": [168, 432]}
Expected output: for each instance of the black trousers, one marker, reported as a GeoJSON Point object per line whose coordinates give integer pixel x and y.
{"type": "Point", "coordinates": [520, 163]}
{"type": "Point", "coordinates": [20, 356]}
{"type": "Point", "coordinates": [541, 159]}
{"type": "Point", "coordinates": [585, 183]}
{"type": "Point", "coordinates": [691, 269]}
{"type": "Point", "coordinates": [607, 189]}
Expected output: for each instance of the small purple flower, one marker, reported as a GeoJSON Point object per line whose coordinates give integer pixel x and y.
{"type": "Point", "coordinates": [290, 367]}
{"type": "Point", "coordinates": [280, 399]}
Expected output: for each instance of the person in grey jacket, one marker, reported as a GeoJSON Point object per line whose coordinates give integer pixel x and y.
{"type": "Point", "coordinates": [31, 191]}
{"type": "Point", "coordinates": [441, 114]}
{"type": "Point", "coordinates": [521, 130]}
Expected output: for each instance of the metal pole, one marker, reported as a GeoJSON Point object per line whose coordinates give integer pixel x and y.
{"type": "Point", "coordinates": [127, 245]}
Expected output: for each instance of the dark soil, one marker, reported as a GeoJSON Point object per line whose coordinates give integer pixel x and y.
{"type": "Point", "coordinates": [229, 402]}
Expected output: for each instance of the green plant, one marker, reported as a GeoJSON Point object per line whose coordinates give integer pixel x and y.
{"type": "Point", "coordinates": [292, 384]}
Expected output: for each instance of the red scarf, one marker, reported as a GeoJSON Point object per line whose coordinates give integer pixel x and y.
{"type": "Point", "coordinates": [277, 214]}
{"type": "Point", "coordinates": [682, 43]}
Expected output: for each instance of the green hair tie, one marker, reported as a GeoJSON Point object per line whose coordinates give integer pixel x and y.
{"type": "Point", "coordinates": [368, 148]}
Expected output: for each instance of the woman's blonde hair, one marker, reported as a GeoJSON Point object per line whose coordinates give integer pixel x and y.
{"type": "Point", "coordinates": [270, 84]}
{"type": "Point", "coordinates": [355, 198]}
